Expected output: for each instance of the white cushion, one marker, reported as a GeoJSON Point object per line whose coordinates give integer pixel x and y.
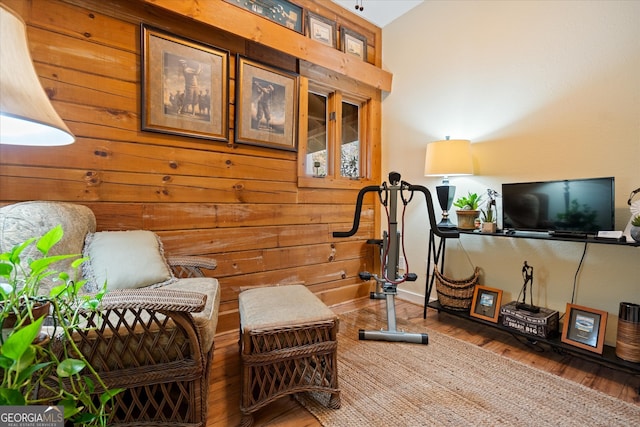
{"type": "Point", "coordinates": [125, 260]}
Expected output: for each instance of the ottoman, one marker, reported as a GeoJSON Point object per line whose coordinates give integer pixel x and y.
{"type": "Point", "coordinates": [287, 345]}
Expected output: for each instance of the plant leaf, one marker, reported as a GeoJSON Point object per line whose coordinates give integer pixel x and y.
{"type": "Point", "coordinates": [10, 397]}
{"type": "Point", "coordinates": [69, 367]}
{"type": "Point", "coordinates": [18, 342]}
{"type": "Point", "coordinates": [50, 238]}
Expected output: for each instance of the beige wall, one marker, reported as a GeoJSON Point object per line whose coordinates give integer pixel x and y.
{"type": "Point", "coordinates": [544, 90]}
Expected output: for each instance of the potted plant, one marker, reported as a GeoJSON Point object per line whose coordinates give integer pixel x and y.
{"type": "Point", "coordinates": [35, 369]}
{"type": "Point", "coordinates": [489, 216]}
{"type": "Point", "coordinates": [635, 228]}
{"type": "Point", "coordinates": [468, 210]}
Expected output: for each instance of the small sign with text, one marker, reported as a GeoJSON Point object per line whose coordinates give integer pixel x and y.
{"type": "Point", "coordinates": [31, 416]}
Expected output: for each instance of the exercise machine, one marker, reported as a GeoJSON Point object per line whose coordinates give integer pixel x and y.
{"type": "Point", "coordinates": [390, 246]}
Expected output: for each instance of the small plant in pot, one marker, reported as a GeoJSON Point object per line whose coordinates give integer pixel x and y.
{"type": "Point", "coordinates": [635, 228]}
{"type": "Point", "coordinates": [489, 214]}
{"type": "Point", "coordinates": [468, 212]}
{"type": "Point", "coordinates": [43, 366]}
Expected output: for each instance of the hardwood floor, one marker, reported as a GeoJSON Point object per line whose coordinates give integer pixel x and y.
{"type": "Point", "coordinates": [224, 390]}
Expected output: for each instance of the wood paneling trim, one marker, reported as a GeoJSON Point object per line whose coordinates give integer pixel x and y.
{"type": "Point", "coordinates": [230, 18]}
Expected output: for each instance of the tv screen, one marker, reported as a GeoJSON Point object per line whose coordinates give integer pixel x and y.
{"type": "Point", "coordinates": [573, 205]}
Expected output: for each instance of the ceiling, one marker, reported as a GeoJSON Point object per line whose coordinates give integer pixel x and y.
{"type": "Point", "coordinates": [379, 12]}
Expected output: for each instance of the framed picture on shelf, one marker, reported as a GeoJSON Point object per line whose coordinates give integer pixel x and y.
{"type": "Point", "coordinates": [486, 303]}
{"type": "Point", "coordinates": [353, 43]}
{"type": "Point", "coordinates": [584, 328]}
{"type": "Point", "coordinates": [184, 86]}
{"type": "Point", "coordinates": [281, 12]}
{"type": "Point", "coordinates": [321, 29]}
{"type": "Point", "coordinates": [266, 105]}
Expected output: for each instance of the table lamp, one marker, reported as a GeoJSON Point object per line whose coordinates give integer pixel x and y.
{"type": "Point", "coordinates": [26, 115]}
{"type": "Point", "coordinates": [445, 158]}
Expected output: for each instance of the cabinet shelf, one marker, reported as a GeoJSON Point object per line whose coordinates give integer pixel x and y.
{"type": "Point", "coordinates": [607, 358]}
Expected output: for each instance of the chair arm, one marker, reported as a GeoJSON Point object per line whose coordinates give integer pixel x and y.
{"type": "Point", "coordinates": [154, 299]}
{"type": "Point", "coordinates": [190, 266]}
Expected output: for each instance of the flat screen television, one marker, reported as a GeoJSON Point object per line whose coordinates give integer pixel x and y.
{"type": "Point", "coordinates": [571, 205]}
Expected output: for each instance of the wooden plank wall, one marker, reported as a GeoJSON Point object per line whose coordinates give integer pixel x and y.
{"type": "Point", "coordinates": [238, 204]}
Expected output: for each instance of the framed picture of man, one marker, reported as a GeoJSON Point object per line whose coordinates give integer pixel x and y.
{"type": "Point", "coordinates": [184, 86]}
{"type": "Point", "coordinates": [266, 105]}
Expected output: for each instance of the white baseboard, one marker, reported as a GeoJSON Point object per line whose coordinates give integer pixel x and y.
{"type": "Point", "coordinates": [412, 297]}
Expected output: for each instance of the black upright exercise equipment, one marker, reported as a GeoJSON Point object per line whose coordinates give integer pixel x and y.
{"type": "Point", "coordinates": [391, 244]}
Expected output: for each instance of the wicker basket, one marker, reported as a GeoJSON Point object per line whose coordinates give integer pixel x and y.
{"type": "Point", "coordinates": [456, 294]}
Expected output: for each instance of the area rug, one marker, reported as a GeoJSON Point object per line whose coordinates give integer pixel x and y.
{"type": "Point", "coordinates": [452, 383]}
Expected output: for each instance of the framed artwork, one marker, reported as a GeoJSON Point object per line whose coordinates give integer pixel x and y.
{"type": "Point", "coordinates": [353, 43]}
{"type": "Point", "coordinates": [281, 12]}
{"type": "Point", "coordinates": [266, 106]}
{"type": "Point", "coordinates": [321, 29]}
{"type": "Point", "coordinates": [584, 328]}
{"type": "Point", "coordinates": [486, 303]}
{"type": "Point", "coordinates": [184, 87]}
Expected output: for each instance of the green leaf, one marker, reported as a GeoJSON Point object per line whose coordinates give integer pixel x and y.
{"type": "Point", "coordinates": [5, 270]}
{"type": "Point", "coordinates": [91, 386]}
{"type": "Point", "coordinates": [28, 372]}
{"type": "Point", "coordinates": [70, 407]}
{"type": "Point", "coordinates": [108, 395]}
{"type": "Point", "coordinates": [50, 238]}
{"type": "Point", "coordinates": [20, 340]}
{"type": "Point", "coordinates": [16, 251]}
{"type": "Point", "coordinates": [44, 263]}
{"type": "Point", "coordinates": [77, 263]}
{"type": "Point", "coordinates": [10, 397]}
{"type": "Point", "coordinates": [69, 367]}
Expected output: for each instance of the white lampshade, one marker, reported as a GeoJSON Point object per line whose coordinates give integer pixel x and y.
{"type": "Point", "coordinates": [449, 157]}
{"type": "Point", "coordinates": [26, 115]}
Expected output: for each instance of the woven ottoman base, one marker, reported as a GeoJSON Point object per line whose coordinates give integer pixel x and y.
{"type": "Point", "coordinates": [287, 345]}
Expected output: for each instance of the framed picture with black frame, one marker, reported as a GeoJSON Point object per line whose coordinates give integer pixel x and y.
{"type": "Point", "coordinates": [584, 327]}
{"type": "Point", "coordinates": [266, 105]}
{"type": "Point", "coordinates": [486, 303]}
{"type": "Point", "coordinates": [184, 86]}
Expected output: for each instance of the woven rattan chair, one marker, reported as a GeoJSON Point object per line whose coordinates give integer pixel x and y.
{"type": "Point", "coordinates": [156, 343]}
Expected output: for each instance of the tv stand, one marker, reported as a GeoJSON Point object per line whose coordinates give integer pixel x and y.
{"type": "Point", "coordinates": [607, 358]}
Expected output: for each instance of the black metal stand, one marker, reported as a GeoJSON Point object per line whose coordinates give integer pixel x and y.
{"type": "Point", "coordinates": [437, 255]}
{"type": "Point", "coordinates": [389, 279]}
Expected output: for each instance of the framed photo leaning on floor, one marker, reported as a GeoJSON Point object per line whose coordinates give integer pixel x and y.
{"type": "Point", "coordinates": [486, 303]}
{"type": "Point", "coordinates": [584, 327]}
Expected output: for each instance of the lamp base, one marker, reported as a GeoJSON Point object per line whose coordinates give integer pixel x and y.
{"type": "Point", "coordinates": [445, 199]}
{"type": "Point", "coordinates": [446, 223]}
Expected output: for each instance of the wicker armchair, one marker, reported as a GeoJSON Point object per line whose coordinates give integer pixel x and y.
{"type": "Point", "coordinates": [156, 343]}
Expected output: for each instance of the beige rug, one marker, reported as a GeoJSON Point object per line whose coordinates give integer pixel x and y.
{"type": "Point", "coordinates": [452, 383]}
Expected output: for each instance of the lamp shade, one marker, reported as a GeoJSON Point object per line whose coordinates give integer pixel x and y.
{"type": "Point", "coordinates": [26, 115]}
{"type": "Point", "coordinates": [448, 157]}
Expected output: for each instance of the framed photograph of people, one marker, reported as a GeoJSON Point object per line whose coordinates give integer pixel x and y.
{"type": "Point", "coordinates": [486, 303]}
{"type": "Point", "coordinates": [584, 327]}
{"type": "Point", "coordinates": [184, 86]}
{"type": "Point", "coordinates": [321, 29]}
{"type": "Point", "coordinates": [266, 105]}
{"type": "Point", "coordinates": [282, 12]}
{"type": "Point", "coordinates": [353, 43]}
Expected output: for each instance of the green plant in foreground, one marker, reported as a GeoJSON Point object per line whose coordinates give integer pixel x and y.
{"type": "Point", "coordinates": [636, 221]}
{"type": "Point", "coordinates": [29, 368]}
